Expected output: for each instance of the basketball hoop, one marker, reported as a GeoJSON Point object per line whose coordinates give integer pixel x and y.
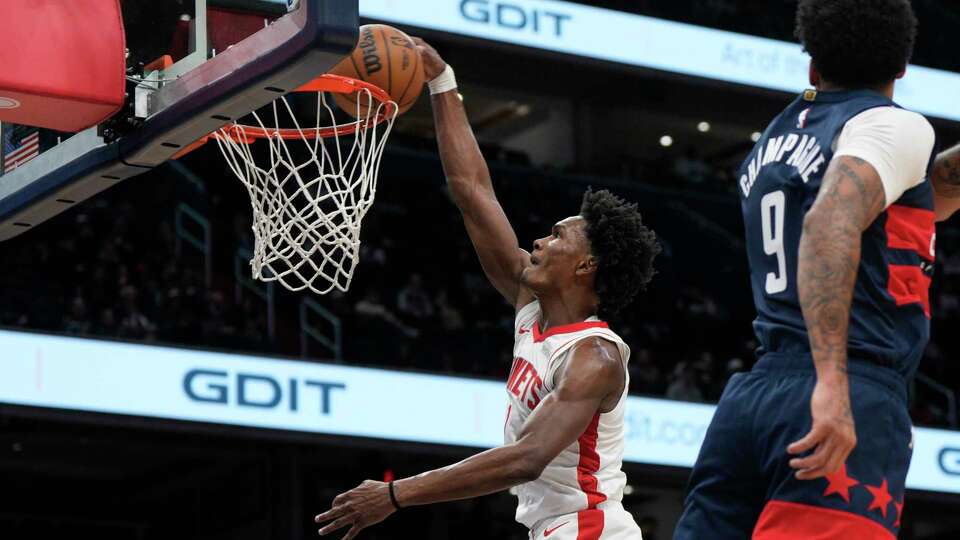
{"type": "Point", "coordinates": [310, 187]}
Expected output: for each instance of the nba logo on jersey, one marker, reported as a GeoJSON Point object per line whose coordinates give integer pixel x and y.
{"type": "Point", "coordinates": [802, 119]}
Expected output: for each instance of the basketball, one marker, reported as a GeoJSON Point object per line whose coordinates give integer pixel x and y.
{"type": "Point", "coordinates": [387, 58]}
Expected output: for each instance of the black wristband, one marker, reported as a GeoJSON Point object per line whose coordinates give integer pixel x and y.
{"type": "Point", "coordinates": [393, 496]}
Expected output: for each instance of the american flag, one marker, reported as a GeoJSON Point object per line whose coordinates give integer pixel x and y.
{"type": "Point", "coordinates": [20, 145]}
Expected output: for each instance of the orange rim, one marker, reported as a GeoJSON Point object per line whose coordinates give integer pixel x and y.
{"type": "Point", "coordinates": [327, 82]}
{"type": "Point", "coordinates": [324, 83]}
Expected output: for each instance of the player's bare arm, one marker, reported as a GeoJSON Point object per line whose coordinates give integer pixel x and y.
{"type": "Point", "coordinates": [592, 382]}
{"type": "Point", "coordinates": [472, 190]}
{"type": "Point", "coordinates": [850, 199]}
{"type": "Point", "coordinates": [946, 183]}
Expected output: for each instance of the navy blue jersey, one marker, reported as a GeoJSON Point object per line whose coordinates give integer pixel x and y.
{"type": "Point", "coordinates": [890, 314]}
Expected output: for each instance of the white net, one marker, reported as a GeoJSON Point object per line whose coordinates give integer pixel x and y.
{"type": "Point", "coordinates": [310, 188]}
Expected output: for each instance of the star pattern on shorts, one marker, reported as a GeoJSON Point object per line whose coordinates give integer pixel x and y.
{"type": "Point", "coordinates": [840, 483]}
{"type": "Point", "coordinates": [881, 497]}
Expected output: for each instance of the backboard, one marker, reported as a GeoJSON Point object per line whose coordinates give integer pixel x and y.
{"type": "Point", "coordinates": [193, 66]}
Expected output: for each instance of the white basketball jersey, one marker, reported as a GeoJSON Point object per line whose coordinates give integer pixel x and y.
{"type": "Point", "coordinates": [586, 475]}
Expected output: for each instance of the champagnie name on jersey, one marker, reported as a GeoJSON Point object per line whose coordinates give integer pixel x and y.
{"type": "Point", "coordinates": [803, 152]}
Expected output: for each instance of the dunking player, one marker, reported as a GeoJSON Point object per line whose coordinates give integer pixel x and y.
{"type": "Point", "coordinates": [814, 443]}
{"type": "Point", "coordinates": [564, 428]}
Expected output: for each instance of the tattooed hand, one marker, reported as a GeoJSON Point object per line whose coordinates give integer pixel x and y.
{"type": "Point", "coordinates": [832, 434]}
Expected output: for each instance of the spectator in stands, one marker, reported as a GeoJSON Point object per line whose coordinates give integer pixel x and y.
{"type": "Point", "coordinates": [107, 324]}
{"type": "Point", "coordinates": [176, 320]}
{"type": "Point", "coordinates": [372, 254]}
{"type": "Point", "coordinates": [98, 287]}
{"type": "Point", "coordinates": [645, 376]}
{"type": "Point", "coordinates": [413, 301]}
{"type": "Point", "coordinates": [683, 385]}
{"type": "Point", "coordinates": [706, 378]}
{"type": "Point", "coordinates": [133, 323]}
{"type": "Point", "coordinates": [217, 328]}
{"type": "Point", "coordinates": [692, 168]}
{"type": "Point", "coordinates": [77, 320]}
{"type": "Point", "coordinates": [451, 320]}
{"type": "Point", "coordinates": [371, 306]}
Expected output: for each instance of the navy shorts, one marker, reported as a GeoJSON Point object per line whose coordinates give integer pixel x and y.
{"type": "Point", "coordinates": [742, 485]}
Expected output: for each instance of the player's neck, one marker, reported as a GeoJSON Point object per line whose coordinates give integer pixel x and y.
{"type": "Point", "coordinates": [885, 89]}
{"type": "Point", "coordinates": [560, 311]}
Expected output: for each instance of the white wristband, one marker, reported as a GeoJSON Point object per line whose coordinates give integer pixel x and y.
{"type": "Point", "coordinates": [444, 82]}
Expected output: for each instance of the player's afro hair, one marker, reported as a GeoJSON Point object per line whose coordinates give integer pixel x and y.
{"type": "Point", "coordinates": [857, 43]}
{"type": "Point", "coordinates": [623, 246]}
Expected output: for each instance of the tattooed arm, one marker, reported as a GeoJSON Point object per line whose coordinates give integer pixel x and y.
{"type": "Point", "coordinates": [850, 199]}
{"type": "Point", "coordinates": [946, 183]}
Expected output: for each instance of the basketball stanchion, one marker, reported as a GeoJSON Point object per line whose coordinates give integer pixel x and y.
{"type": "Point", "coordinates": [310, 186]}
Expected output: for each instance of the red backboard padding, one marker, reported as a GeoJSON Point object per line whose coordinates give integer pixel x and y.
{"type": "Point", "coordinates": [61, 62]}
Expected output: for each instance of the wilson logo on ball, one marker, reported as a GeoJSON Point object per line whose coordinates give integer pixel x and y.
{"type": "Point", "coordinates": [371, 60]}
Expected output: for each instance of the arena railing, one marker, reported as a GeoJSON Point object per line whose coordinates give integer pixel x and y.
{"type": "Point", "coordinates": [184, 217]}
{"type": "Point", "coordinates": [333, 342]}
{"type": "Point", "coordinates": [263, 291]}
{"type": "Point", "coordinates": [949, 396]}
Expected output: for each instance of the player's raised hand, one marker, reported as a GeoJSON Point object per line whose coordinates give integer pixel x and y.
{"type": "Point", "coordinates": [363, 506]}
{"type": "Point", "coordinates": [433, 64]}
{"type": "Point", "coordinates": [832, 435]}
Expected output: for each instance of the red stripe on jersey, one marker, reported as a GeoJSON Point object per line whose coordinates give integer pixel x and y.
{"type": "Point", "coordinates": [782, 520]}
{"type": "Point", "coordinates": [513, 372]}
{"type": "Point", "coordinates": [912, 229]}
{"type": "Point", "coordinates": [589, 524]}
{"type": "Point", "coordinates": [590, 464]}
{"type": "Point", "coordinates": [909, 285]}
{"type": "Point", "coordinates": [565, 329]}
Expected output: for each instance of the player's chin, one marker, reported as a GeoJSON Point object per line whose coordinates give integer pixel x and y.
{"type": "Point", "coordinates": [535, 279]}
{"type": "Point", "coordinates": [528, 277]}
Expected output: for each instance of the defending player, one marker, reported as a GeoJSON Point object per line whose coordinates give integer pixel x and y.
{"type": "Point", "coordinates": [815, 442]}
{"type": "Point", "coordinates": [567, 387]}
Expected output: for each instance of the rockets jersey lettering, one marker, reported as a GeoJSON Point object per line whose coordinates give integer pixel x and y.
{"type": "Point", "coordinates": [587, 474]}
{"type": "Point", "coordinates": [778, 183]}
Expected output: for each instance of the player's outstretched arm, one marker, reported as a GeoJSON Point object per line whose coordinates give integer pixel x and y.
{"type": "Point", "coordinates": [593, 377]}
{"type": "Point", "coordinates": [850, 199]}
{"type": "Point", "coordinates": [472, 190]}
{"type": "Point", "coordinates": [946, 183]}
